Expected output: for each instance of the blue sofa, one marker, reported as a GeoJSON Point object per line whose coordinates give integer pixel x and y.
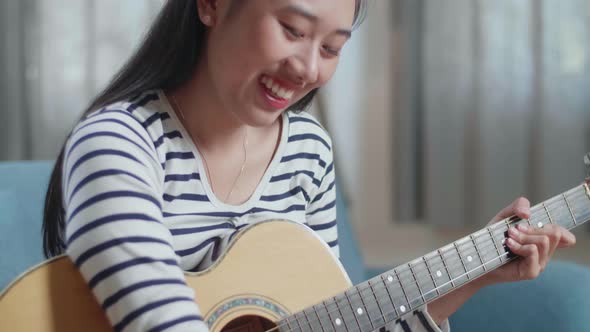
{"type": "Point", "coordinates": [556, 301]}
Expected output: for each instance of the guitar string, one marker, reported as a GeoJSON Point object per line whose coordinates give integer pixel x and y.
{"type": "Point", "coordinates": [490, 234]}
{"type": "Point", "coordinates": [458, 262]}
{"type": "Point", "coordinates": [384, 316]}
{"type": "Point", "coordinates": [360, 326]}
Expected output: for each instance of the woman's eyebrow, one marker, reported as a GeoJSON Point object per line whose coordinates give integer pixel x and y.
{"type": "Point", "coordinates": [311, 17]}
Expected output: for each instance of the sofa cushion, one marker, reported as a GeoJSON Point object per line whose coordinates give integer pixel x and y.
{"type": "Point", "coordinates": [21, 237]}
{"type": "Point", "coordinates": [557, 300]}
{"type": "Point", "coordinates": [22, 191]}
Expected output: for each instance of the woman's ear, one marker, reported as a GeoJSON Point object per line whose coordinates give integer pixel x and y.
{"type": "Point", "coordinates": [207, 11]}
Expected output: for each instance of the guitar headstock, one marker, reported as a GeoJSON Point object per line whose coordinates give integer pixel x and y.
{"type": "Point", "coordinates": [587, 163]}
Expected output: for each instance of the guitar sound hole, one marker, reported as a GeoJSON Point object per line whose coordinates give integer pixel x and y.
{"type": "Point", "coordinates": [249, 324]}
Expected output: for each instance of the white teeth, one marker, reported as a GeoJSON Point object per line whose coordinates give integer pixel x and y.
{"type": "Point", "coordinates": [276, 88]}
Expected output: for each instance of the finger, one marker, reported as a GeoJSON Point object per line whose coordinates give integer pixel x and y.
{"type": "Point", "coordinates": [542, 242]}
{"type": "Point", "coordinates": [521, 207]}
{"type": "Point", "coordinates": [528, 268]}
{"type": "Point", "coordinates": [565, 237]}
{"type": "Point", "coordinates": [568, 239]}
{"type": "Point", "coordinates": [554, 235]}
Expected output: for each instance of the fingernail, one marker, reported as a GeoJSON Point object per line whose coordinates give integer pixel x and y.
{"type": "Point", "coordinates": [522, 227]}
{"type": "Point", "coordinates": [513, 232]}
{"type": "Point", "coordinates": [511, 242]}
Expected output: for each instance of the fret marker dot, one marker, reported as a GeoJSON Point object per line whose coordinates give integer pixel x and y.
{"type": "Point", "coordinates": [359, 311]}
{"type": "Point", "coordinates": [540, 225]}
{"type": "Point", "coordinates": [338, 321]}
{"type": "Point", "coordinates": [469, 258]}
{"type": "Point", "coordinates": [389, 278]}
{"type": "Point", "coordinates": [438, 273]}
{"type": "Point", "coordinates": [402, 308]}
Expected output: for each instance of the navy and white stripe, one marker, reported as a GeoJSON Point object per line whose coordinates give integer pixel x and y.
{"type": "Point", "coordinates": [139, 210]}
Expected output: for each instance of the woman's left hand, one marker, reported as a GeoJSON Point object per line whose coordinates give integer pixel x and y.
{"type": "Point", "coordinates": [535, 246]}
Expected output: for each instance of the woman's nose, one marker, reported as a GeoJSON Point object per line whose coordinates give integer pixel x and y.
{"type": "Point", "coordinates": [304, 67]}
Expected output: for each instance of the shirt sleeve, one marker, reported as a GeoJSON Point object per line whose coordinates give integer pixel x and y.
{"type": "Point", "coordinates": [112, 196]}
{"type": "Point", "coordinates": [321, 211]}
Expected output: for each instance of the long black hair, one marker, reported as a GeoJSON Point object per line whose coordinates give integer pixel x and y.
{"type": "Point", "coordinates": [165, 60]}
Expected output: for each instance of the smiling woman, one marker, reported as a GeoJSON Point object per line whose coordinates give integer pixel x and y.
{"type": "Point", "coordinates": [200, 135]}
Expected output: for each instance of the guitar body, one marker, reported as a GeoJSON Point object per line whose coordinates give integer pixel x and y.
{"type": "Point", "coordinates": [271, 270]}
{"type": "Point", "coordinates": [275, 269]}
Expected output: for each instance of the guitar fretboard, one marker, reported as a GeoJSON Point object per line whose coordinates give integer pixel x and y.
{"type": "Point", "coordinates": [374, 303]}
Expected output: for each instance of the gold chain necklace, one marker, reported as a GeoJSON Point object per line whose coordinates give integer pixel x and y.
{"type": "Point", "coordinates": [245, 145]}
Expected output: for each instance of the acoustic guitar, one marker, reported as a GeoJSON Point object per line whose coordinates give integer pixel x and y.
{"type": "Point", "coordinates": [280, 275]}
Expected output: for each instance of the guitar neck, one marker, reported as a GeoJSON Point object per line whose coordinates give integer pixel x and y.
{"type": "Point", "coordinates": [386, 297]}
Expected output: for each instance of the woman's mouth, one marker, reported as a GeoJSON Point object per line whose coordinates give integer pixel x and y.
{"type": "Point", "coordinates": [276, 95]}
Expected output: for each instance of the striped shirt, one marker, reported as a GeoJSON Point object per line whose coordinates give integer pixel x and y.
{"type": "Point", "coordinates": [140, 210]}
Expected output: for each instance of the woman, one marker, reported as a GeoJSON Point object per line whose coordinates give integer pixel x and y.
{"type": "Point", "coordinates": [198, 136]}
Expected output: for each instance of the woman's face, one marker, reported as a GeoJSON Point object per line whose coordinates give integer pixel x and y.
{"type": "Point", "coordinates": [264, 55]}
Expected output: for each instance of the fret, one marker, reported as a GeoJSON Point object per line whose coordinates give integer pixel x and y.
{"type": "Point", "coordinates": [385, 300]}
{"type": "Point", "coordinates": [569, 208]}
{"type": "Point", "coordinates": [454, 265]}
{"type": "Point", "coordinates": [580, 203]}
{"type": "Point", "coordinates": [374, 310]}
{"type": "Point", "coordinates": [432, 277]}
{"type": "Point", "coordinates": [413, 287]}
{"type": "Point", "coordinates": [335, 315]}
{"type": "Point", "coordinates": [548, 214]}
{"type": "Point", "coordinates": [538, 216]}
{"type": "Point", "coordinates": [360, 311]}
{"type": "Point", "coordinates": [397, 294]}
{"type": "Point", "coordinates": [461, 260]}
{"type": "Point", "coordinates": [325, 321]}
{"type": "Point", "coordinates": [409, 286]}
{"type": "Point", "coordinates": [500, 235]}
{"type": "Point", "coordinates": [424, 279]}
{"type": "Point", "coordinates": [479, 253]}
{"type": "Point", "coordinates": [443, 277]}
{"type": "Point", "coordinates": [559, 210]}
{"type": "Point", "coordinates": [507, 223]}
{"type": "Point", "coordinates": [293, 324]}
{"type": "Point", "coordinates": [470, 258]}
{"type": "Point", "coordinates": [313, 319]}
{"type": "Point", "coordinates": [348, 315]}
{"type": "Point", "coordinates": [286, 321]}
{"type": "Point", "coordinates": [528, 222]}
{"type": "Point", "coordinates": [490, 253]}
{"type": "Point", "coordinates": [494, 241]}
{"type": "Point", "coordinates": [402, 307]}
{"type": "Point", "coordinates": [303, 321]}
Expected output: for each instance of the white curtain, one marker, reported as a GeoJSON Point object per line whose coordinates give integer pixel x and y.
{"type": "Point", "coordinates": [56, 56]}
{"type": "Point", "coordinates": [492, 102]}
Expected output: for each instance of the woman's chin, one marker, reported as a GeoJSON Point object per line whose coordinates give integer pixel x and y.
{"type": "Point", "coordinates": [263, 118]}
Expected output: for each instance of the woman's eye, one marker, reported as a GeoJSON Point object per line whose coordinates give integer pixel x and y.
{"type": "Point", "coordinates": [331, 51]}
{"type": "Point", "coordinates": [292, 31]}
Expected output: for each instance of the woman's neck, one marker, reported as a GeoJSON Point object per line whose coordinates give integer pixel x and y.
{"type": "Point", "coordinates": [205, 117]}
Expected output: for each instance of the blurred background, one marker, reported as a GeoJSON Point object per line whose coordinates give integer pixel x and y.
{"type": "Point", "coordinates": [442, 112]}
